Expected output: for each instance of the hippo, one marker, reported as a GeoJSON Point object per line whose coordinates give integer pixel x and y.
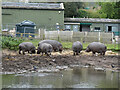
{"type": "Point", "coordinates": [45, 48]}
{"type": "Point", "coordinates": [96, 47]}
{"type": "Point", "coordinates": [57, 46]}
{"type": "Point", "coordinates": [27, 46]}
{"type": "Point", "coordinates": [77, 47]}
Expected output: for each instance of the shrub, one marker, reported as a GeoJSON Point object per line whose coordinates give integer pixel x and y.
{"type": "Point", "coordinates": [10, 42]}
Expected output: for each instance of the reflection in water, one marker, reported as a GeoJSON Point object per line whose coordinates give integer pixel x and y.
{"type": "Point", "coordinates": [76, 78]}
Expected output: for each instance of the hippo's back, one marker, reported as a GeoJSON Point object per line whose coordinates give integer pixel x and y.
{"type": "Point", "coordinates": [26, 45]}
{"type": "Point", "coordinates": [55, 44]}
{"type": "Point", "coordinates": [97, 46]}
{"type": "Point", "coordinates": [77, 46]}
{"type": "Point", "coordinates": [52, 42]}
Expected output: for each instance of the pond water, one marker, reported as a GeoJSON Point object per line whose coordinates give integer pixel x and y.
{"type": "Point", "coordinates": [71, 78]}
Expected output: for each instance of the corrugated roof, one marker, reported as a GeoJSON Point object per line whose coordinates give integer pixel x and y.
{"type": "Point", "coordinates": [92, 20]}
{"type": "Point", "coordinates": [32, 5]}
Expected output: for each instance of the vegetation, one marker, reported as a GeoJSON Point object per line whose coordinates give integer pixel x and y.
{"type": "Point", "coordinates": [110, 10]}
{"type": "Point", "coordinates": [71, 8]}
{"type": "Point", "coordinates": [101, 10]}
{"type": "Point", "coordinates": [88, 13]}
{"type": "Point", "coordinates": [10, 42]}
{"type": "Point", "coordinates": [13, 43]}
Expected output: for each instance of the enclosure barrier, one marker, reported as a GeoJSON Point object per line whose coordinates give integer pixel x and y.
{"type": "Point", "coordinates": [72, 36]}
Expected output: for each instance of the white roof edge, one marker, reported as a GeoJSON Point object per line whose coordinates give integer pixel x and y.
{"type": "Point", "coordinates": [72, 23]}
{"type": "Point", "coordinates": [62, 6]}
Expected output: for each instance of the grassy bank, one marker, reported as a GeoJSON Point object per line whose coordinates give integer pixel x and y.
{"type": "Point", "coordinates": [68, 45]}
{"type": "Point", "coordinates": [12, 43]}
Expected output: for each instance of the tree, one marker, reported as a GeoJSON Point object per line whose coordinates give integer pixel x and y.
{"type": "Point", "coordinates": [117, 10]}
{"type": "Point", "coordinates": [110, 10]}
{"type": "Point", "coordinates": [71, 8]}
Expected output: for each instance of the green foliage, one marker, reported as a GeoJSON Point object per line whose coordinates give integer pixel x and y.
{"type": "Point", "coordinates": [110, 10]}
{"type": "Point", "coordinates": [71, 8]}
{"type": "Point", "coordinates": [11, 43]}
{"type": "Point", "coordinates": [82, 13]}
{"type": "Point", "coordinates": [88, 13]}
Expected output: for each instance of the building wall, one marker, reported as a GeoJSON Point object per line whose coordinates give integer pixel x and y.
{"type": "Point", "coordinates": [100, 25]}
{"type": "Point", "coordinates": [119, 29]}
{"type": "Point", "coordinates": [0, 17]}
{"type": "Point", "coordinates": [72, 27]}
{"type": "Point", "coordinates": [42, 18]}
{"type": "Point", "coordinates": [114, 27]}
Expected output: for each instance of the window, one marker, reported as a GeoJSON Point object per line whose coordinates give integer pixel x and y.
{"type": "Point", "coordinates": [67, 27]}
{"type": "Point", "coordinates": [75, 27]}
{"type": "Point", "coordinates": [97, 29]}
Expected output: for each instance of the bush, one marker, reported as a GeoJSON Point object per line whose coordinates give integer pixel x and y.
{"type": "Point", "coordinates": [10, 42]}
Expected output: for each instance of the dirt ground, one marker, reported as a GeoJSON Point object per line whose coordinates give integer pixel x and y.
{"type": "Point", "coordinates": [13, 62]}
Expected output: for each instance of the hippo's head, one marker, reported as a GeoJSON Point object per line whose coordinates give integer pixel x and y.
{"type": "Point", "coordinates": [33, 51]}
{"type": "Point", "coordinates": [60, 49]}
{"type": "Point", "coordinates": [87, 50]}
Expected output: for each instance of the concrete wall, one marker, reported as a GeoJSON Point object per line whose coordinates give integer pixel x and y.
{"type": "Point", "coordinates": [43, 18]}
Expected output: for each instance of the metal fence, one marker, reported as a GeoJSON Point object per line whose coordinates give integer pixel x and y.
{"type": "Point", "coordinates": [85, 37]}
{"type": "Point", "coordinates": [51, 32]}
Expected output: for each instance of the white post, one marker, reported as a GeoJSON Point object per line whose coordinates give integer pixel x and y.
{"type": "Point", "coordinates": [39, 32]}
{"type": "Point", "coordinates": [113, 40]}
{"type": "Point", "coordinates": [71, 35]}
{"type": "Point", "coordinates": [99, 37]}
{"type": "Point", "coordinates": [58, 35]}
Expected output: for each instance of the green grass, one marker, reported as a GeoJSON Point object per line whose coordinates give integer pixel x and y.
{"type": "Point", "coordinates": [68, 45]}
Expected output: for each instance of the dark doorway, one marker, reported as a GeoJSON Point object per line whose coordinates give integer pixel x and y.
{"type": "Point", "coordinates": [80, 28]}
{"type": "Point", "coordinates": [85, 28]}
{"type": "Point", "coordinates": [109, 28]}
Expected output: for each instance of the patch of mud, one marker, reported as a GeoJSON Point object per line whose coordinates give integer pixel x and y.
{"type": "Point", "coordinates": [13, 62]}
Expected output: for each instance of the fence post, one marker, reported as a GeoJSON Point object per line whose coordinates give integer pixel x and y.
{"type": "Point", "coordinates": [71, 36]}
{"type": "Point", "coordinates": [113, 40]}
{"type": "Point", "coordinates": [58, 35]}
{"type": "Point", "coordinates": [39, 32]}
{"type": "Point", "coordinates": [99, 37]}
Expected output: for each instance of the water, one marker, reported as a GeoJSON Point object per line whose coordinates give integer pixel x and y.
{"type": "Point", "coordinates": [76, 78]}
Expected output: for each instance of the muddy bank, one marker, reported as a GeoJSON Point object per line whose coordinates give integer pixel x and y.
{"type": "Point", "coordinates": [13, 62]}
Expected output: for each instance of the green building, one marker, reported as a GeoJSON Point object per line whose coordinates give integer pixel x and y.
{"type": "Point", "coordinates": [44, 15]}
{"type": "Point", "coordinates": [93, 25]}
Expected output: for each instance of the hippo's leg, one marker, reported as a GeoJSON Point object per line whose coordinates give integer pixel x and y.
{"type": "Point", "coordinates": [76, 53]}
{"type": "Point", "coordinates": [19, 51]}
{"type": "Point", "coordinates": [23, 52]}
{"type": "Point", "coordinates": [55, 50]}
{"type": "Point", "coordinates": [42, 53]}
{"type": "Point", "coordinates": [73, 53]}
{"type": "Point", "coordinates": [103, 53]}
{"type": "Point", "coordinates": [46, 53]}
{"type": "Point", "coordinates": [28, 52]}
{"type": "Point", "coordinates": [93, 53]}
